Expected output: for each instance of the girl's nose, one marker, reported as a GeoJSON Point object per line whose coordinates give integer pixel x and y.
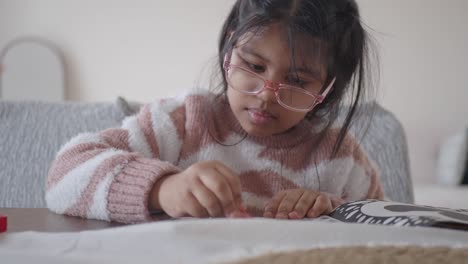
{"type": "Point", "coordinates": [268, 92]}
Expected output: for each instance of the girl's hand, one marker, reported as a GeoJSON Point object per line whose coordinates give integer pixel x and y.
{"type": "Point", "coordinates": [297, 204]}
{"type": "Point", "coordinates": [205, 189]}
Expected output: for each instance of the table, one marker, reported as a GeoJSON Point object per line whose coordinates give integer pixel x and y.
{"type": "Point", "coordinates": [195, 241]}
{"type": "Point", "coordinates": [43, 220]}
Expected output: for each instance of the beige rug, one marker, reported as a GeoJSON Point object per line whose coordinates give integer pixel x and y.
{"type": "Point", "coordinates": [365, 255]}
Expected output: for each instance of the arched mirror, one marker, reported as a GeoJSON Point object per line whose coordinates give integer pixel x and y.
{"type": "Point", "coordinates": [31, 69]}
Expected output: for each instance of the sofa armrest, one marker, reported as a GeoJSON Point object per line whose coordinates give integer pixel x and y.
{"type": "Point", "coordinates": [384, 140]}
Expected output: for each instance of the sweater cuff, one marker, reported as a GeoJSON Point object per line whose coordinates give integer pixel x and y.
{"type": "Point", "coordinates": [129, 192]}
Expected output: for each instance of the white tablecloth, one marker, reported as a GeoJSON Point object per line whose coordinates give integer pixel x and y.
{"type": "Point", "coordinates": [209, 241]}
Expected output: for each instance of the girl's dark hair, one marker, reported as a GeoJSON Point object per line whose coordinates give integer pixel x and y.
{"type": "Point", "coordinates": [337, 34]}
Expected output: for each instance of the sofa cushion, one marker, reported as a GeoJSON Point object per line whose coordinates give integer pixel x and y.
{"type": "Point", "coordinates": [33, 132]}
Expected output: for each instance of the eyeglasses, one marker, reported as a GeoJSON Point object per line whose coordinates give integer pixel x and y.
{"type": "Point", "coordinates": [294, 98]}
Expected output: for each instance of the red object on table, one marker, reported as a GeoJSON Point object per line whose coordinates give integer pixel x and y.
{"type": "Point", "coordinates": [3, 223]}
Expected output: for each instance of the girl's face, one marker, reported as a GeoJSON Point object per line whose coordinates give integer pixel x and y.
{"type": "Point", "coordinates": [268, 55]}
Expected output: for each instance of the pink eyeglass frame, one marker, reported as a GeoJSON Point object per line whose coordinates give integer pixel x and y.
{"type": "Point", "coordinates": [276, 86]}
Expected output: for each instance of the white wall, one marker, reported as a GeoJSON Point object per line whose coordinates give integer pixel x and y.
{"type": "Point", "coordinates": [424, 68]}
{"type": "Point", "coordinates": [139, 49]}
{"type": "Point", "coordinates": [143, 49]}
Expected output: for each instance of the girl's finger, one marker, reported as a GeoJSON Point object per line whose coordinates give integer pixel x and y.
{"type": "Point", "coordinates": [305, 203]}
{"type": "Point", "coordinates": [233, 180]}
{"type": "Point", "coordinates": [288, 203]}
{"type": "Point", "coordinates": [321, 206]}
{"type": "Point", "coordinates": [336, 202]}
{"type": "Point", "coordinates": [272, 206]}
{"type": "Point", "coordinates": [218, 184]}
{"type": "Point", "coordinates": [207, 199]}
{"type": "Point", "coordinates": [194, 208]}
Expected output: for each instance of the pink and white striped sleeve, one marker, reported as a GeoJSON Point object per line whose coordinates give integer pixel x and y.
{"type": "Point", "coordinates": [109, 175]}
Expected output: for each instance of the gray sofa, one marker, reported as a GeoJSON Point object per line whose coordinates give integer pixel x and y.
{"type": "Point", "coordinates": [31, 133]}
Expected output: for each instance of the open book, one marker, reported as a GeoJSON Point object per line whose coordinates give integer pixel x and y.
{"type": "Point", "coordinates": [400, 214]}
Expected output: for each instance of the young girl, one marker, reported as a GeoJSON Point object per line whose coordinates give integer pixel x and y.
{"type": "Point", "coordinates": [265, 145]}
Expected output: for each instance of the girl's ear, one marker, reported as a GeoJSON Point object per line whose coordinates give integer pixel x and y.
{"type": "Point", "coordinates": [231, 33]}
{"type": "Point", "coordinates": [228, 54]}
{"type": "Point", "coordinates": [227, 60]}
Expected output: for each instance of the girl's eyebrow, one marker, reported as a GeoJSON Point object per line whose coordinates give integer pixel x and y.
{"type": "Point", "coordinates": [252, 52]}
{"type": "Point", "coordinates": [316, 74]}
{"type": "Point", "coordinates": [308, 71]}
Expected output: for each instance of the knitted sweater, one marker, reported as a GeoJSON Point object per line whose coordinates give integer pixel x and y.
{"type": "Point", "coordinates": [109, 175]}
